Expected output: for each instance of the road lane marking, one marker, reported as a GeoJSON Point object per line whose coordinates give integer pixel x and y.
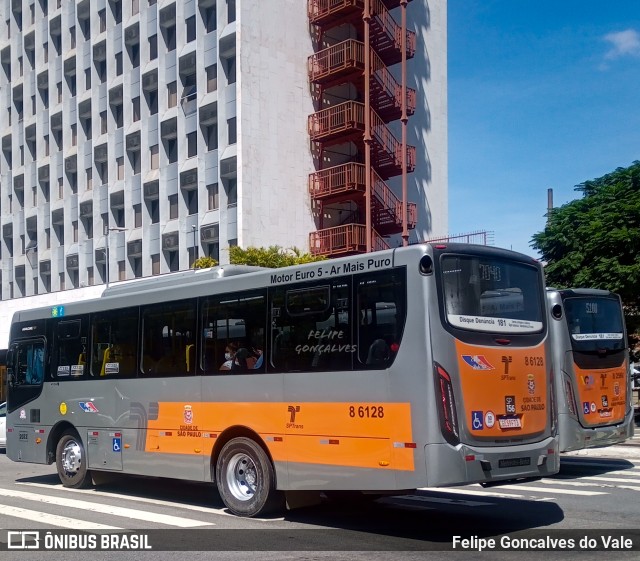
{"type": "Point", "coordinates": [107, 509]}
{"type": "Point", "coordinates": [135, 498]}
{"type": "Point", "coordinates": [555, 490]}
{"type": "Point", "coordinates": [54, 519]}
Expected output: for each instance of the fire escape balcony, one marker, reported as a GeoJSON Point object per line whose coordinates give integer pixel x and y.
{"type": "Point", "coordinates": [341, 123]}
{"type": "Point", "coordinates": [338, 182]}
{"type": "Point", "coordinates": [337, 63]}
{"type": "Point", "coordinates": [345, 62]}
{"type": "Point", "coordinates": [324, 12]}
{"type": "Point", "coordinates": [345, 123]}
{"type": "Point", "coordinates": [348, 239]}
{"type": "Point", "coordinates": [348, 181]}
{"type": "Point", "coordinates": [386, 35]}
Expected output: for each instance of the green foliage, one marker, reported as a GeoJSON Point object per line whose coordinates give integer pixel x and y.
{"type": "Point", "coordinates": [204, 262]}
{"type": "Point", "coordinates": [594, 241]}
{"type": "Point", "coordinates": [272, 256]}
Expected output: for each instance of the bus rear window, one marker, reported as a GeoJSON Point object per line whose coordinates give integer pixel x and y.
{"type": "Point", "coordinates": [492, 295]}
{"type": "Point", "coordinates": [595, 323]}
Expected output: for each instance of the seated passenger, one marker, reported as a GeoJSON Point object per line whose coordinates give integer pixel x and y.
{"type": "Point", "coordinates": [229, 356]}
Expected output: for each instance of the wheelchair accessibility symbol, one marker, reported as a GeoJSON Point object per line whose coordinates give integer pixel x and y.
{"type": "Point", "coordinates": [477, 422]}
{"type": "Point", "coordinates": [117, 445]}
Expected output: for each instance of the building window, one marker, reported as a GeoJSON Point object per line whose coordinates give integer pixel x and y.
{"type": "Point", "coordinates": [135, 7]}
{"type": "Point", "coordinates": [154, 150]}
{"type": "Point", "coordinates": [213, 196]}
{"type": "Point", "coordinates": [192, 202]}
{"type": "Point", "coordinates": [232, 192]}
{"type": "Point", "coordinates": [154, 211]}
{"type": "Point", "coordinates": [230, 69]}
{"type": "Point", "coordinates": [231, 11]}
{"type": "Point", "coordinates": [191, 28]}
{"type": "Point", "coordinates": [231, 130]}
{"type": "Point", "coordinates": [87, 78]}
{"type": "Point", "coordinates": [192, 144]}
{"type": "Point", "coordinates": [155, 264]}
{"type": "Point", "coordinates": [103, 122]}
{"type": "Point", "coordinates": [122, 271]}
{"type": "Point", "coordinates": [90, 276]}
{"type": "Point", "coordinates": [46, 144]}
{"type": "Point", "coordinates": [45, 52]}
{"type": "Point", "coordinates": [60, 188]}
{"type": "Point", "coordinates": [102, 17]}
{"type": "Point", "coordinates": [74, 225]}
{"type": "Point", "coordinates": [72, 36]}
{"type": "Point", "coordinates": [59, 91]}
{"type": "Point", "coordinates": [212, 78]}
{"type": "Point", "coordinates": [173, 207]}
{"type": "Point", "coordinates": [120, 165]}
{"type": "Point", "coordinates": [209, 18]}
{"type": "Point", "coordinates": [172, 93]}
{"type": "Point", "coordinates": [119, 64]}
{"type": "Point", "coordinates": [153, 47]}
{"type": "Point", "coordinates": [136, 108]}
{"type": "Point", "coordinates": [89, 178]}
{"type": "Point", "coordinates": [61, 278]}
{"type": "Point", "coordinates": [74, 134]}
{"type": "Point", "coordinates": [137, 216]}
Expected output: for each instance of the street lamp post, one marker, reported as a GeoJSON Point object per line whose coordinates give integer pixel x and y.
{"type": "Point", "coordinates": [195, 243]}
{"type": "Point", "coordinates": [106, 244]}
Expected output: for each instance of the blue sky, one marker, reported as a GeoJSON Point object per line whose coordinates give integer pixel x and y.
{"type": "Point", "coordinates": [542, 94]}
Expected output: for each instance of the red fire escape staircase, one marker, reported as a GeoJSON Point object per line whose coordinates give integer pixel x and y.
{"type": "Point", "coordinates": [343, 123]}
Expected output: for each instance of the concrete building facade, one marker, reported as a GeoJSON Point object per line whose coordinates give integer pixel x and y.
{"type": "Point", "coordinates": [137, 135]}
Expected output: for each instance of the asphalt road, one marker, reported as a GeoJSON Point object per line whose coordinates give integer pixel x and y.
{"type": "Point", "coordinates": [594, 497]}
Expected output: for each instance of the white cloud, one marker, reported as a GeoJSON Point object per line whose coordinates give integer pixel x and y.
{"type": "Point", "coordinates": [623, 43]}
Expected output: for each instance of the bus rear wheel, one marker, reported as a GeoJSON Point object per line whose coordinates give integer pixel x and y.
{"type": "Point", "coordinates": [246, 479]}
{"type": "Point", "coordinates": [71, 461]}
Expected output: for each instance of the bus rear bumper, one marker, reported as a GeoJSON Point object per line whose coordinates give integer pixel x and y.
{"type": "Point", "coordinates": [573, 436]}
{"type": "Point", "coordinates": [463, 464]}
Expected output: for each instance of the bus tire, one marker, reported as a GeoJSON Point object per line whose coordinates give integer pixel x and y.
{"type": "Point", "coordinates": [246, 479]}
{"type": "Point", "coordinates": [71, 461]}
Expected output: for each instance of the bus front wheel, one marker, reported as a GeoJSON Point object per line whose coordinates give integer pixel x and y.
{"type": "Point", "coordinates": [246, 479]}
{"type": "Point", "coordinates": [71, 461]}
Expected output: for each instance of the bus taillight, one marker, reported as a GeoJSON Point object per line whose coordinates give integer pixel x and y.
{"type": "Point", "coordinates": [447, 408]}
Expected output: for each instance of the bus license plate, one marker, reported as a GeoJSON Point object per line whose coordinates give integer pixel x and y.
{"type": "Point", "coordinates": [514, 462]}
{"type": "Point", "coordinates": [510, 423]}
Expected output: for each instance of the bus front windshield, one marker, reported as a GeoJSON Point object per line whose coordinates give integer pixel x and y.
{"type": "Point", "coordinates": [594, 323]}
{"type": "Point", "coordinates": [491, 294]}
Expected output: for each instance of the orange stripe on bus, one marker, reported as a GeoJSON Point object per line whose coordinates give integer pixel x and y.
{"type": "Point", "coordinates": [360, 434]}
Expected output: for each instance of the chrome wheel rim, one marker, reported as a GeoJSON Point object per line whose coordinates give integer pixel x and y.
{"type": "Point", "coordinates": [71, 457]}
{"type": "Point", "coordinates": [242, 477]}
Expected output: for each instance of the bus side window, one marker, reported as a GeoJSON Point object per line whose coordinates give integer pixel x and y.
{"type": "Point", "coordinates": [114, 337]}
{"type": "Point", "coordinates": [311, 327]}
{"type": "Point", "coordinates": [381, 315]}
{"type": "Point", "coordinates": [70, 343]}
{"type": "Point", "coordinates": [168, 335]}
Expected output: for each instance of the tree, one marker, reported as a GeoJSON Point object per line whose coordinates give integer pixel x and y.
{"type": "Point", "coordinates": [273, 256]}
{"type": "Point", "coordinates": [594, 241]}
{"type": "Point", "coordinates": [204, 262]}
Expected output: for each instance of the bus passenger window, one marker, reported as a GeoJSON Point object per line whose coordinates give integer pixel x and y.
{"type": "Point", "coordinates": [114, 335]}
{"type": "Point", "coordinates": [233, 333]}
{"type": "Point", "coordinates": [312, 327]}
{"type": "Point", "coordinates": [70, 344]}
{"type": "Point", "coordinates": [381, 316]}
{"type": "Point", "coordinates": [168, 339]}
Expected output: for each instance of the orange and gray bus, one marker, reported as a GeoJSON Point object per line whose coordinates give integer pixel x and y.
{"type": "Point", "coordinates": [381, 373]}
{"type": "Point", "coordinates": [591, 368]}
